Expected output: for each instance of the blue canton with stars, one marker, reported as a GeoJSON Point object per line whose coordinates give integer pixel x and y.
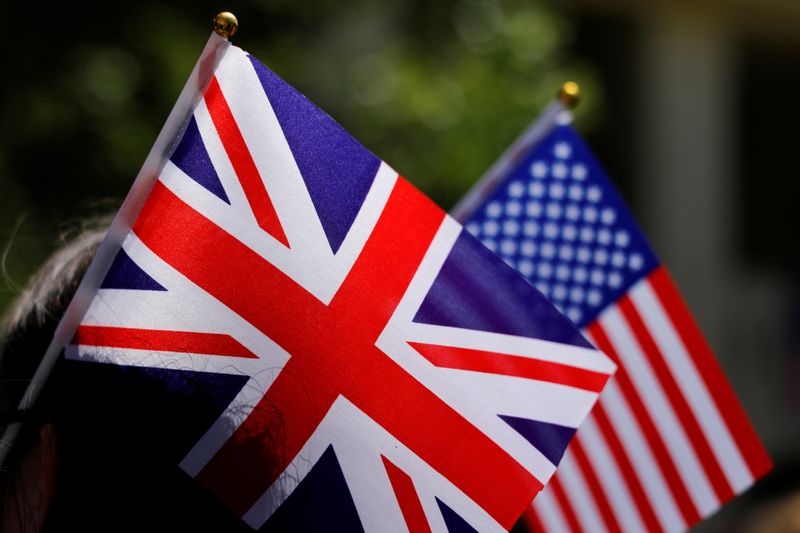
{"type": "Point", "coordinates": [559, 221]}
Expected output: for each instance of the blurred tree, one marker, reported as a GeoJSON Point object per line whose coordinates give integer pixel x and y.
{"type": "Point", "coordinates": [436, 89]}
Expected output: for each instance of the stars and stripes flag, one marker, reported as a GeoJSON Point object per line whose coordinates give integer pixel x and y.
{"type": "Point", "coordinates": [374, 366]}
{"type": "Point", "coordinates": [668, 442]}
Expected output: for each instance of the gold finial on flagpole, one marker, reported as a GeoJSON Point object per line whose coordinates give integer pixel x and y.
{"type": "Point", "coordinates": [225, 24]}
{"type": "Point", "coordinates": [569, 94]}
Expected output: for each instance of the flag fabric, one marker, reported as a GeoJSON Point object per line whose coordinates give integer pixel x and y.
{"type": "Point", "coordinates": [373, 366]}
{"type": "Point", "coordinates": [668, 442]}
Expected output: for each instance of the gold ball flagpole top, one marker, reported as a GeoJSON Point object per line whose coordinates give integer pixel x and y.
{"type": "Point", "coordinates": [570, 94]}
{"type": "Point", "coordinates": [225, 24]}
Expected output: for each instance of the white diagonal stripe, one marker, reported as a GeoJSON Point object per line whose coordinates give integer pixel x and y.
{"type": "Point", "coordinates": [222, 165]}
{"type": "Point", "coordinates": [272, 155]}
{"type": "Point", "coordinates": [228, 422]}
{"type": "Point", "coordinates": [370, 487]}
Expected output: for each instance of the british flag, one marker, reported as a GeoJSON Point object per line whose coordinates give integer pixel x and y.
{"type": "Point", "coordinates": [361, 345]}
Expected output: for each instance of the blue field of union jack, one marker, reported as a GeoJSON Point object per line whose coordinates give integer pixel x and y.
{"type": "Point", "coordinates": [372, 365]}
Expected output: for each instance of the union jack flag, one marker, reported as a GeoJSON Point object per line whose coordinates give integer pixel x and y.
{"type": "Point", "coordinates": [363, 348]}
{"type": "Point", "coordinates": [668, 442]}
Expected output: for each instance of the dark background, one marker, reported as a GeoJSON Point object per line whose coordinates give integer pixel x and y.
{"type": "Point", "coordinates": [690, 106]}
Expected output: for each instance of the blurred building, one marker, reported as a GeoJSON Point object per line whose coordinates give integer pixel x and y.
{"type": "Point", "coordinates": [701, 132]}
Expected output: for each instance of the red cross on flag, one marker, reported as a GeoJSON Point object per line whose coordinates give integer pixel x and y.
{"type": "Point", "coordinates": [366, 363]}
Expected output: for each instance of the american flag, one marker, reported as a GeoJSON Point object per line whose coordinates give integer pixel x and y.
{"type": "Point", "coordinates": [668, 442]}
{"type": "Point", "coordinates": [374, 366]}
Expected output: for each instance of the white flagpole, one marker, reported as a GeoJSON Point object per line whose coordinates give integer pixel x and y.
{"type": "Point", "coordinates": [557, 112]}
{"type": "Point", "coordinates": [224, 25]}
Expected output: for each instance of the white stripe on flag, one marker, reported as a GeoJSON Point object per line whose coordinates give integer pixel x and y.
{"type": "Point", "coordinates": [692, 386]}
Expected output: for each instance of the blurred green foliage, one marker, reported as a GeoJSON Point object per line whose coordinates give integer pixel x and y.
{"type": "Point", "coordinates": [437, 89]}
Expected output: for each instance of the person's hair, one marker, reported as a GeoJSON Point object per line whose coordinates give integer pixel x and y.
{"type": "Point", "coordinates": [28, 325]}
{"type": "Point", "coordinates": [25, 333]}
{"type": "Point", "coordinates": [109, 476]}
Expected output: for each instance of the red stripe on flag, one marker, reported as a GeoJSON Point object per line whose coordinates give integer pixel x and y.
{"type": "Point", "coordinates": [750, 446]}
{"type": "Point", "coordinates": [242, 162]}
{"type": "Point", "coordinates": [678, 402]}
{"type": "Point", "coordinates": [162, 341]}
{"type": "Point", "coordinates": [315, 374]}
{"type": "Point", "coordinates": [407, 498]}
{"type": "Point", "coordinates": [595, 489]}
{"type": "Point", "coordinates": [632, 481]}
{"type": "Point", "coordinates": [565, 504]}
{"type": "Point", "coordinates": [511, 365]}
{"type": "Point", "coordinates": [651, 433]}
